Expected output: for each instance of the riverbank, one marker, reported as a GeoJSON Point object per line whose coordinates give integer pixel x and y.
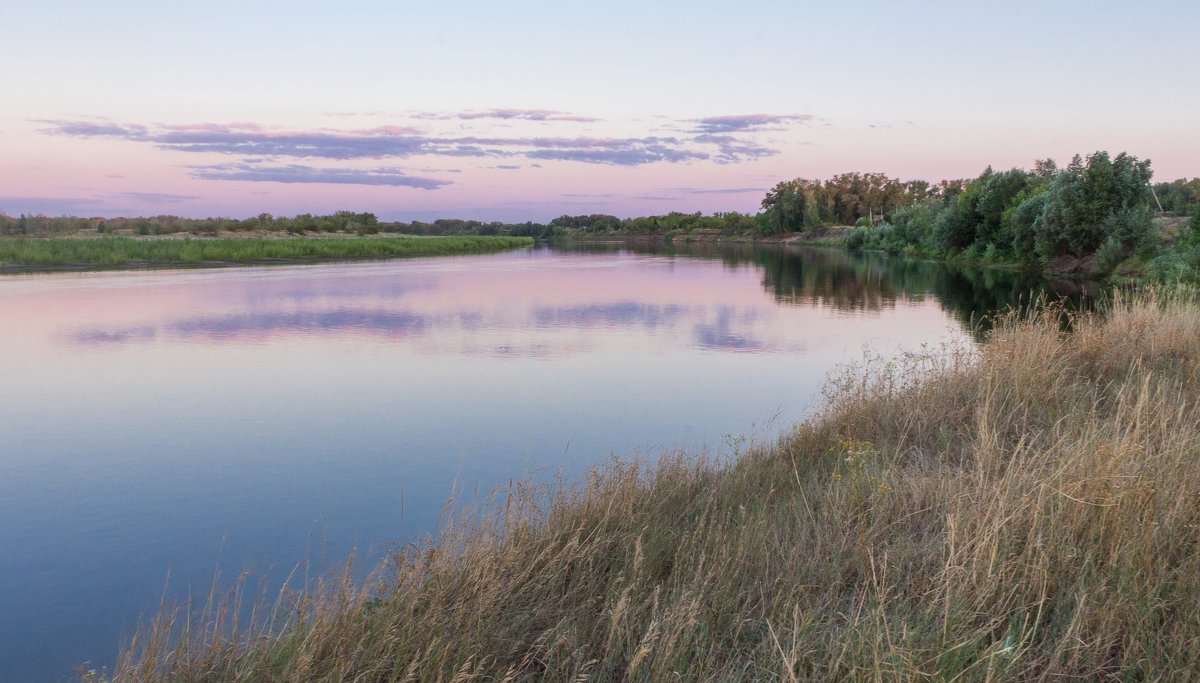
{"type": "Point", "coordinates": [85, 253]}
{"type": "Point", "coordinates": [1023, 511]}
{"type": "Point", "coordinates": [826, 236]}
{"type": "Point", "coordinates": [1171, 260]}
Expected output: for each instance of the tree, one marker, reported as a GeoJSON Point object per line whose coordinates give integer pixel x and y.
{"type": "Point", "coordinates": [1090, 200]}
{"type": "Point", "coordinates": [1046, 169]}
{"type": "Point", "coordinates": [785, 205]}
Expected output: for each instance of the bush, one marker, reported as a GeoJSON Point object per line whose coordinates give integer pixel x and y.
{"type": "Point", "coordinates": [1109, 256]}
{"type": "Point", "coordinates": [913, 224]}
{"type": "Point", "coordinates": [858, 238]}
{"type": "Point", "coordinates": [1174, 267]}
{"type": "Point", "coordinates": [953, 230]}
{"type": "Point", "coordinates": [1131, 226]}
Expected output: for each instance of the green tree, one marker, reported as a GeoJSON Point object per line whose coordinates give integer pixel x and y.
{"type": "Point", "coordinates": [1083, 199]}
{"type": "Point", "coordinates": [785, 205]}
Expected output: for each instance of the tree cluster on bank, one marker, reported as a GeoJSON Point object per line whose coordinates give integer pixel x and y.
{"type": "Point", "coordinates": [1099, 209]}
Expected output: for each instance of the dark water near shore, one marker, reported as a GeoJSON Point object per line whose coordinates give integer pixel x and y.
{"type": "Point", "coordinates": [257, 418]}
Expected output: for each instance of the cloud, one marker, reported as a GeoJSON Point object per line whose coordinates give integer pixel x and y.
{"type": "Point", "coordinates": [634, 155]}
{"type": "Point", "coordinates": [158, 197]}
{"type": "Point", "coordinates": [93, 129]}
{"type": "Point", "coordinates": [254, 143]}
{"type": "Point", "coordinates": [731, 149]}
{"type": "Point", "coordinates": [746, 122]}
{"type": "Point", "coordinates": [719, 190]}
{"type": "Point", "coordinates": [317, 144]}
{"type": "Point", "coordinates": [669, 193]}
{"type": "Point", "coordinates": [52, 206]}
{"type": "Point", "coordinates": [507, 167]}
{"type": "Point", "coordinates": [298, 173]}
{"type": "Point", "coordinates": [508, 115]}
{"type": "Point", "coordinates": [352, 114]}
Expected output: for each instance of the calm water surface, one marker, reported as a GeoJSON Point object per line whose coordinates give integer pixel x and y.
{"type": "Point", "coordinates": [170, 422]}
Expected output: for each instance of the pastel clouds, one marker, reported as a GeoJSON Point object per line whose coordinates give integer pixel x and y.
{"type": "Point", "coordinates": [509, 115]}
{"type": "Point", "coordinates": [299, 173]}
{"type": "Point", "coordinates": [747, 122]}
{"type": "Point", "coordinates": [261, 149]}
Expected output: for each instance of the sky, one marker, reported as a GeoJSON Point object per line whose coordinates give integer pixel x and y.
{"type": "Point", "coordinates": [521, 110]}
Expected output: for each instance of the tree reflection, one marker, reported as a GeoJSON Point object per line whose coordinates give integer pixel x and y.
{"type": "Point", "coordinates": [871, 281]}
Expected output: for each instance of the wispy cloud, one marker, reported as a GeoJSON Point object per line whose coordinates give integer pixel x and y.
{"type": "Point", "coordinates": [716, 139]}
{"type": "Point", "coordinates": [629, 152]}
{"type": "Point", "coordinates": [52, 206]}
{"type": "Point", "coordinates": [94, 129]}
{"type": "Point", "coordinates": [731, 149]}
{"type": "Point", "coordinates": [158, 197]}
{"type": "Point", "coordinates": [508, 115]}
{"type": "Point", "coordinates": [249, 140]}
{"type": "Point", "coordinates": [299, 173]}
{"type": "Point", "coordinates": [747, 122]}
{"type": "Point", "coordinates": [719, 190]}
{"type": "Point", "coordinates": [664, 194]}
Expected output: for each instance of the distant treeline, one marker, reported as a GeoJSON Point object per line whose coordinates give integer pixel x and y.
{"type": "Point", "coordinates": [1098, 207]}
{"type": "Point", "coordinates": [369, 224]}
{"type": "Point", "coordinates": [339, 222]}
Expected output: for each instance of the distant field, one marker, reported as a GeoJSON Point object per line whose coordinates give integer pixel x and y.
{"type": "Point", "coordinates": [119, 252]}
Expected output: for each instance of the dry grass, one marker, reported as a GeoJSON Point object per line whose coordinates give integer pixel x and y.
{"type": "Point", "coordinates": [1027, 511]}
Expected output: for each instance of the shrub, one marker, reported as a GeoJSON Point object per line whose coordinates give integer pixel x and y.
{"type": "Point", "coordinates": [858, 238]}
{"type": "Point", "coordinates": [1109, 256]}
{"type": "Point", "coordinates": [1174, 267]}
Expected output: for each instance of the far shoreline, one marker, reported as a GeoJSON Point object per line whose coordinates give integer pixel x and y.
{"type": "Point", "coordinates": [82, 253]}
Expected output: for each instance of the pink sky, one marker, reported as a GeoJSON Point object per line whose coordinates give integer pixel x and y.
{"type": "Point", "coordinates": [535, 110]}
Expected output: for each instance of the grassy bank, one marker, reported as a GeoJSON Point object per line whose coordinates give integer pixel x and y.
{"type": "Point", "coordinates": [117, 252]}
{"type": "Point", "coordinates": [1026, 511]}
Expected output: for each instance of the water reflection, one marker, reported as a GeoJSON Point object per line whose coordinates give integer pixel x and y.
{"type": "Point", "coordinates": [871, 281]}
{"type": "Point", "coordinates": [390, 307]}
{"type": "Point", "coordinates": [510, 313]}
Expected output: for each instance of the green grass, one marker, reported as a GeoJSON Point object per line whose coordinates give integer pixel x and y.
{"type": "Point", "coordinates": [116, 252]}
{"type": "Point", "coordinates": [1025, 511]}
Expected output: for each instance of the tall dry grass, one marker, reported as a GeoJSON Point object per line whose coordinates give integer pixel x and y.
{"type": "Point", "coordinates": [1029, 510]}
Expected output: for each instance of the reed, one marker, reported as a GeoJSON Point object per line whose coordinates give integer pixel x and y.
{"type": "Point", "coordinates": [1024, 510]}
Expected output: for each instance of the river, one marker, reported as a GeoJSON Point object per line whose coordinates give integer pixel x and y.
{"type": "Point", "coordinates": [173, 422]}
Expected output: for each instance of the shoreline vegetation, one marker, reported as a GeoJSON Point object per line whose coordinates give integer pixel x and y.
{"type": "Point", "coordinates": [1100, 217]}
{"type": "Point", "coordinates": [1026, 510]}
{"type": "Point", "coordinates": [82, 253]}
